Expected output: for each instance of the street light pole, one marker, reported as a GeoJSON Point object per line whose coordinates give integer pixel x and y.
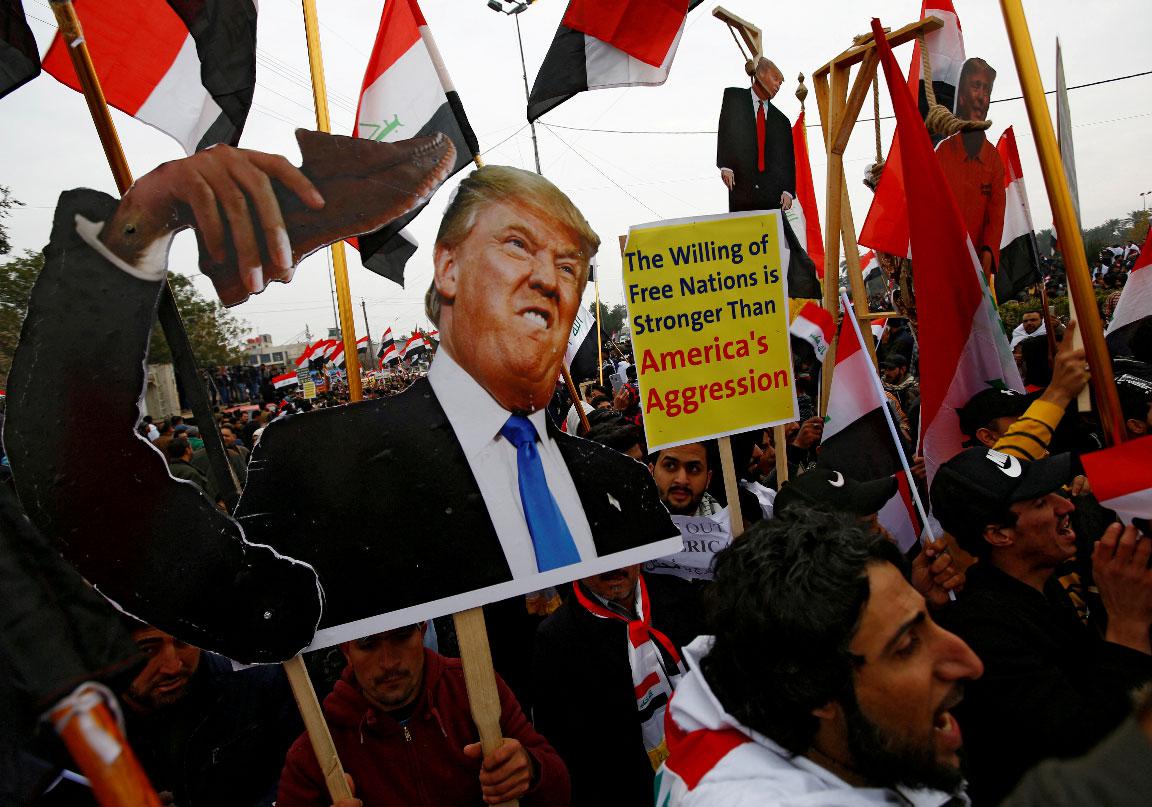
{"type": "Point", "coordinates": [517, 7]}
{"type": "Point", "coordinates": [524, 68]}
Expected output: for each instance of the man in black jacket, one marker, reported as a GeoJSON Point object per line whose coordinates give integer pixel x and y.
{"type": "Point", "coordinates": [207, 734]}
{"type": "Point", "coordinates": [603, 668]}
{"type": "Point", "coordinates": [1051, 686]}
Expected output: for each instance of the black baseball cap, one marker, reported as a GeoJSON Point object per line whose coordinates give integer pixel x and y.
{"type": "Point", "coordinates": [833, 492]}
{"type": "Point", "coordinates": [987, 405]}
{"type": "Point", "coordinates": [1135, 395]}
{"type": "Point", "coordinates": [974, 488]}
{"type": "Point", "coordinates": [894, 360]}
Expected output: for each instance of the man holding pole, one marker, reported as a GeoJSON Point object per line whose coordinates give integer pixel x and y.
{"type": "Point", "coordinates": [401, 724]}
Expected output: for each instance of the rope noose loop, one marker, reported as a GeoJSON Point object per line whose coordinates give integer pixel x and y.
{"type": "Point", "coordinates": [940, 119]}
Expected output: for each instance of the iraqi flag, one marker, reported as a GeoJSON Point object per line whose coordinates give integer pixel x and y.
{"type": "Point", "coordinates": [406, 93]}
{"type": "Point", "coordinates": [1135, 307]}
{"type": "Point", "coordinates": [388, 355]}
{"type": "Point", "coordinates": [19, 58]}
{"type": "Point", "coordinates": [186, 68]}
{"type": "Point", "coordinates": [582, 356]}
{"type": "Point", "coordinates": [878, 327]}
{"type": "Point", "coordinates": [1121, 478]}
{"type": "Point", "coordinates": [886, 225]}
{"type": "Point", "coordinates": [361, 344]}
{"type": "Point", "coordinates": [860, 437]}
{"type": "Point", "coordinates": [963, 349]}
{"type": "Point", "coordinates": [803, 216]}
{"type": "Point", "coordinates": [1019, 265]}
{"type": "Point", "coordinates": [416, 342]}
{"type": "Point", "coordinates": [285, 380]}
{"type": "Point", "coordinates": [609, 43]}
{"type": "Point", "coordinates": [899, 515]}
{"type": "Point", "coordinates": [815, 326]}
{"type": "Point", "coordinates": [311, 352]}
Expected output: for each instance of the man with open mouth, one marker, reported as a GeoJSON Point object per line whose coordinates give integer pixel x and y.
{"type": "Point", "coordinates": [826, 682]}
{"type": "Point", "coordinates": [1053, 686]}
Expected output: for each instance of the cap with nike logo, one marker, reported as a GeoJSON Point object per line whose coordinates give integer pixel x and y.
{"type": "Point", "coordinates": [974, 488]}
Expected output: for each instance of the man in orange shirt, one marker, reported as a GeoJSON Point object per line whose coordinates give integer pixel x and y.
{"type": "Point", "coordinates": [973, 167]}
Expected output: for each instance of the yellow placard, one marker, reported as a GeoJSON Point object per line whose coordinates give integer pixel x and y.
{"type": "Point", "coordinates": [708, 310]}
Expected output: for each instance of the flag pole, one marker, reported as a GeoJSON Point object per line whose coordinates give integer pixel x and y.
{"type": "Point", "coordinates": [168, 314]}
{"type": "Point", "coordinates": [1067, 226]}
{"type": "Point", "coordinates": [599, 334]}
{"type": "Point", "coordinates": [339, 258]}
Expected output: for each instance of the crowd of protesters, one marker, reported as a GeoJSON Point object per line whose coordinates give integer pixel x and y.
{"type": "Point", "coordinates": [816, 663]}
{"type": "Point", "coordinates": [817, 659]}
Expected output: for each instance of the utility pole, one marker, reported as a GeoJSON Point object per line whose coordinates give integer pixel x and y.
{"type": "Point", "coordinates": [370, 354]}
{"type": "Point", "coordinates": [517, 7]}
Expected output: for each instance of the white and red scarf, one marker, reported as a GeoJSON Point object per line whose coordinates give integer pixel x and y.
{"type": "Point", "coordinates": [652, 680]}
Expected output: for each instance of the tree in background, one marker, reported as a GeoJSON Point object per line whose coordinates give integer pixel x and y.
{"type": "Point", "coordinates": [16, 279]}
{"type": "Point", "coordinates": [216, 335]}
{"type": "Point", "coordinates": [614, 317]}
{"type": "Point", "coordinates": [6, 204]}
{"type": "Point", "coordinates": [1134, 227]}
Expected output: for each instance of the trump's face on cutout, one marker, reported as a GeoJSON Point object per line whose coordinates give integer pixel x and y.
{"type": "Point", "coordinates": [511, 290]}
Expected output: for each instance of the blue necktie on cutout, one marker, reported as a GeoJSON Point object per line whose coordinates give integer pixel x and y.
{"type": "Point", "coordinates": [550, 536]}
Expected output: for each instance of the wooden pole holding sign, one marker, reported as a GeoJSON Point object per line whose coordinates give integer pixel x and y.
{"type": "Point", "coordinates": [339, 258]}
{"type": "Point", "coordinates": [839, 110]}
{"type": "Point", "coordinates": [780, 441]}
{"type": "Point", "coordinates": [731, 487]}
{"type": "Point", "coordinates": [1080, 293]}
{"type": "Point", "coordinates": [317, 729]}
{"type": "Point", "coordinates": [480, 679]}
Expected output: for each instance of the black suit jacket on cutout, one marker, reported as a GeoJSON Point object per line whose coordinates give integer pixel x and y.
{"type": "Point", "coordinates": [379, 498]}
{"type": "Point", "coordinates": [736, 149]}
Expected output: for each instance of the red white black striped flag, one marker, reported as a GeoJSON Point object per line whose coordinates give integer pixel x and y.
{"type": "Point", "coordinates": [963, 349]}
{"type": "Point", "coordinates": [186, 68]}
{"type": "Point", "coordinates": [285, 380]}
{"type": "Point", "coordinates": [407, 92]}
{"type": "Point", "coordinates": [1121, 477]}
{"type": "Point", "coordinates": [609, 43]}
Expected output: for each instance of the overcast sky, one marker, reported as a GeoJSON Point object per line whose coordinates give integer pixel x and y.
{"type": "Point", "coordinates": [659, 164]}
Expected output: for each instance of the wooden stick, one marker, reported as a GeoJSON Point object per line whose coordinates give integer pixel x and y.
{"type": "Point", "coordinates": [731, 487]}
{"type": "Point", "coordinates": [317, 728]}
{"type": "Point", "coordinates": [339, 259]}
{"type": "Point", "coordinates": [780, 440]}
{"type": "Point", "coordinates": [1067, 226]}
{"type": "Point", "coordinates": [599, 333]}
{"type": "Point", "coordinates": [480, 678]}
{"type": "Point", "coordinates": [168, 314]}
{"type": "Point", "coordinates": [574, 394]}
{"type": "Point", "coordinates": [831, 102]}
{"type": "Point", "coordinates": [94, 741]}
{"type": "Point", "coordinates": [858, 51]}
